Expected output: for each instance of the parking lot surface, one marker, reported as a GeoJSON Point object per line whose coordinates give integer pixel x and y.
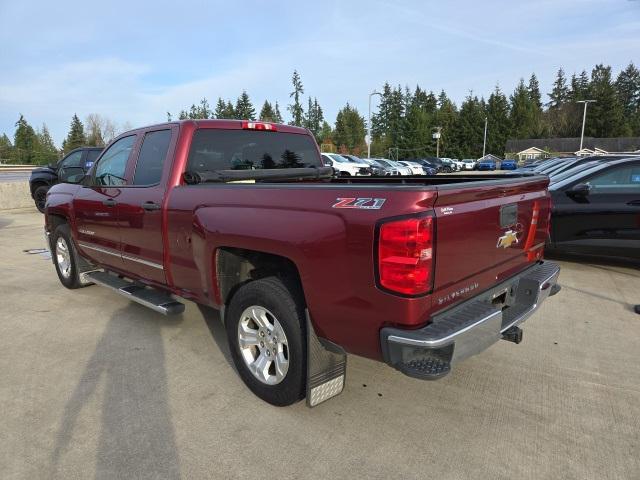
{"type": "Point", "coordinates": [94, 386]}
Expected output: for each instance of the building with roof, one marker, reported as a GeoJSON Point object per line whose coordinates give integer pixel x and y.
{"type": "Point", "coordinates": [531, 148]}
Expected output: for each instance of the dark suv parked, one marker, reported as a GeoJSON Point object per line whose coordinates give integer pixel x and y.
{"type": "Point", "coordinates": [76, 162]}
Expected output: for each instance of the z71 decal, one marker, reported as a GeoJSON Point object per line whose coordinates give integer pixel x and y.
{"type": "Point", "coordinates": [363, 203]}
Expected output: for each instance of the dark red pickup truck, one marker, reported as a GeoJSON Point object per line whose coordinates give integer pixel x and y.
{"type": "Point", "coordinates": [304, 266]}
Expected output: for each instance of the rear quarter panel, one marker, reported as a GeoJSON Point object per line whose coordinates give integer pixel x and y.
{"type": "Point", "coordinates": [332, 248]}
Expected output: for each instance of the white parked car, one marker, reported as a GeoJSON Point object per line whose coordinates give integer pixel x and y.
{"type": "Point", "coordinates": [468, 164]}
{"type": "Point", "coordinates": [344, 166]}
{"type": "Point", "coordinates": [415, 168]}
{"type": "Point", "coordinates": [458, 164]}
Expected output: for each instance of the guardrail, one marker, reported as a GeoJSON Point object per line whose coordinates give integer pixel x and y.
{"type": "Point", "coordinates": [18, 168]}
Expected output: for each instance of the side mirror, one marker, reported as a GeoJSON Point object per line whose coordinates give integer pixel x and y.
{"type": "Point", "coordinates": [579, 190]}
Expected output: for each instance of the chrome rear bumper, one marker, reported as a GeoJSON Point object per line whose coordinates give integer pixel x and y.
{"type": "Point", "coordinates": [471, 327]}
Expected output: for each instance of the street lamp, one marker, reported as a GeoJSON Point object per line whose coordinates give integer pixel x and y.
{"type": "Point", "coordinates": [484, 143]}
{"type": "Point", "coordinates": [368, 139]}
{"type": "Point", "coordinates": [584, 118]}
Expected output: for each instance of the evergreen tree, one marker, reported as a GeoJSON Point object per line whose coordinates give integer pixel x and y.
{"type": "Point", "coordinates": [267, 114]}
{"type": "Point", "coordinates": [75, 137]}
{"type": "Point", "coordinates": [46, 152]}
{"type": "Point", "coordinates": [470, 127]}
{"type": "Point", "coordinates": [6, 149]}
{"type": "Point", "coordinates": [498, 123]}
{"type": "Point", "coordinates": [628, 87]}
{"type": "Point", "coordinates": [350, 130]}
{"type": "Point", "coordinates": [244, 108]}
{"type": "Point", "coordinates": [296, 110]}
{"type": "Point", "coordinates": [326, 133]}
{"type": "Point", "coordinates": [560, 93]}
{"type": "Point", "coordinates": [24, 142]}
{"type": "Point", "coordinates": [221, 108]}
{"type": "Point", "coordinates": [523, 119]}
{"type": "Point", "coordinates": [447, 118]}
{"type": "Point", "coordinates": [278, 116]}
{"type": "Point", "coordinates": [579, 86]}
{"type": "Point", "coordinates": [314, 117]}
{"type": "Point", "coordinates": [534, 92]}
{"type": "Point", "coordinates": [605, 117]}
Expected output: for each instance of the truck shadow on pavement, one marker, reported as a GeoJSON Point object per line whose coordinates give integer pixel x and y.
{"type": "Point", "coordinates": [218, 333]}
{"type": "Point", "coordinates": [126, 376]}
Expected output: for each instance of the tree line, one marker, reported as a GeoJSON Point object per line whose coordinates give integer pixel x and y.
{"type": "Point", "coordinates": [405, 120]}
{"type": "Point", "coordinates": [36, 147]}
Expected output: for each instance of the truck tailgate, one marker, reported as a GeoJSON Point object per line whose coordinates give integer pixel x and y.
{"type": "Point", "coordinates": [486, 233]}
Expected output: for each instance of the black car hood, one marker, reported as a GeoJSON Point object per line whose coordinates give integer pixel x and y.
{"type": "Point", "coordinates": [46, 169]}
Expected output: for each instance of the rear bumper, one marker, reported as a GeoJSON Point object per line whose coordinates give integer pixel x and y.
{"type": "Point", "coordinates": [471, 327]}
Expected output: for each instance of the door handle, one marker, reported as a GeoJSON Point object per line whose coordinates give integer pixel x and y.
{"type": "Point", "coordinates": [150, 206]}
{"type": "Point", "coordinates": [109, 202]}
{"type": "Point", "coordinates": [634, 203]}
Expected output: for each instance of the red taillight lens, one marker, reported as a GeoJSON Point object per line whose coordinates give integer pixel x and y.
{"type": "Point", "coordinates": [259, 126]}
{"type": "Point", "coordinates": [405, 255]}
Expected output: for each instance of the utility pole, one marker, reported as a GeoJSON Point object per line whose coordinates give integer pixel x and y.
{"type": "Point", "coordinates": [484, 144]}
{"type": "Point", "coordinates": [437, 137]}
{"type": "Point", "coordinates": [584, 118]}
{"type": "Point", "coordinates": [368, 139]}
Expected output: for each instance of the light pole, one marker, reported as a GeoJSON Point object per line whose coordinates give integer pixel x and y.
{"type": "Point", "coordinates": [369, 124]}
{"type": "Point", "coordinates": [584, 118]}
{"type": "Point", "coordinates": [484, 143]}
{"type": "Point", "coordinates": [437, 137]}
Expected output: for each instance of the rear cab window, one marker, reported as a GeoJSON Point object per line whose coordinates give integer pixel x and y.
{"type": "Point", "coordinates": [220, 149]}
{"type": "Point", "coordinates": [153, 154]}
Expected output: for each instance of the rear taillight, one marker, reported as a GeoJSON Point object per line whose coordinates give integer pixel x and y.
{"type": "Point", "coordinates": [259, 126]}
{"type": "Point", "coordinates": [405, 255]}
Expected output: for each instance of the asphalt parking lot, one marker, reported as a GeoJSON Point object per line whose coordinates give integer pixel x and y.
{"type": "Point", "coordinates": [94, 386]}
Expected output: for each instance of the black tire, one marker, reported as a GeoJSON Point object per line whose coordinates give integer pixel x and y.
{"type": "Point", "coordinates": [71, 279]}
{"type": "Point", "coordinates": [40, 197]}
{"type": "Point", "coordinates": [345, 174]}
{"type": "Point", "coordinates": [288, 308]}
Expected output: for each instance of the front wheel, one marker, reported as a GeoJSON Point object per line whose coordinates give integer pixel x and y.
{"type": "Point", "coordinates": [40, 197]}
{"type": "Point", "coordinates": [265, 330]}
{"type": "Point", "coordinates": [64, 257]}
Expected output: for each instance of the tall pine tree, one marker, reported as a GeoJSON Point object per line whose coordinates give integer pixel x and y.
{"type": "Point", "coordinates": [296, 110]}
{"type": "Point", "coordinates": [75, 137]}
{"type": "Point", "coordinates": [244, 108]}
{"type": "Point", "coordinates": [24, 142]}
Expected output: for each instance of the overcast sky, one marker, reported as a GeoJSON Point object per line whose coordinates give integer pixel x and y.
{"type": "Point", "coordinates": [134, 61]}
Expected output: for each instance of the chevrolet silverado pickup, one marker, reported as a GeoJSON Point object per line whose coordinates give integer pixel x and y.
{"type": "Point", "coordinates": [303, 265]}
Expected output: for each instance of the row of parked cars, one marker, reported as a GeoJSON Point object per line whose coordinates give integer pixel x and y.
{"type": "Point", "coordinates": [351, 166]}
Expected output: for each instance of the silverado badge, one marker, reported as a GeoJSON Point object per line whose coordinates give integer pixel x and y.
{"type": "Point", "coordinates": [509, 238]}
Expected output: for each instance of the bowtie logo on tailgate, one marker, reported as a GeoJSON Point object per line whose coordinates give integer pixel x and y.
{"type": "Point", "coordinates": [509, 238]}
{"type": "Point", "coordinates": [362, 203]}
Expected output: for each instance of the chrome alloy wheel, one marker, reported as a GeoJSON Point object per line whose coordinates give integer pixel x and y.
{"type": "Point", "coordinates": [63, 257]}
{"type": "Point", "coordinates": [263, 345]}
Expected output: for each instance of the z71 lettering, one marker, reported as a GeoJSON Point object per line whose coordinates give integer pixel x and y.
{"type": "Point", "coordinates": [364, 203]}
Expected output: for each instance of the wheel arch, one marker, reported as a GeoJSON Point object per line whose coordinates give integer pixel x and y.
{"type": "Point", "coordinates": [234, 267]}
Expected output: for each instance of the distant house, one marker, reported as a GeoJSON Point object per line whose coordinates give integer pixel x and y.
{"type": "Point", "coordinates": [490, 157]}
{"type": "Point", "coordinates": [531, 153]}
{"type": "Point", "coordinates": [570, 147]}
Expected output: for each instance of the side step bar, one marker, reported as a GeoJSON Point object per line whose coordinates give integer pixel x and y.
{"type": "Point", "coordinates": [149, 297]}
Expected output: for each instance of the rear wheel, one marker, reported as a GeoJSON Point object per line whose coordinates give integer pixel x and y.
{"type": "Point", "coordinates": [64, 257]}
{"type": "Point", "coordinates": [40, 197]}
{"type": "Point", "coordinates": [265, 330]}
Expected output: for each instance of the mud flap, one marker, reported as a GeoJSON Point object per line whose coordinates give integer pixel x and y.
{"type": "Point", "coordinates": [326, 367]}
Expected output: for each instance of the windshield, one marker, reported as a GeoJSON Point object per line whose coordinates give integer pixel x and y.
{"type": "Point", "coordinates": [218, 149]}
{"type": "Point", "coordinates": [338, 158]}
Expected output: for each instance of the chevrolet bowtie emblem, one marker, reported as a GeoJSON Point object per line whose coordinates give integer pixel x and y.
{"type": "Point", "coordinates": [508, 239]}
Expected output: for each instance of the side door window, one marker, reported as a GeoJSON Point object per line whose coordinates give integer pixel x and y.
{"type": "Point", "coordinates": [152, 156]}
{"type": "Point", "coordinates": [622, 179]}
{"type": "Point", "coordinates": [111, 168]}
{"type": "Point", "coordinates": [71, 167]}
